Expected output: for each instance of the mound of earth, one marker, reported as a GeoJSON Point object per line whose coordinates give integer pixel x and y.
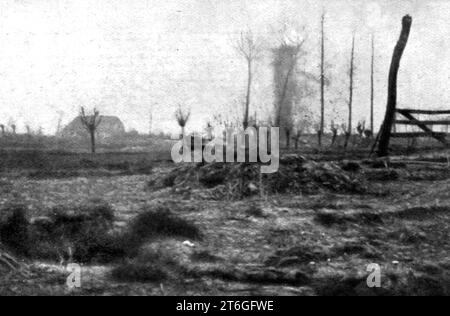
{"type": "Point", "coordinates": [296, 174]}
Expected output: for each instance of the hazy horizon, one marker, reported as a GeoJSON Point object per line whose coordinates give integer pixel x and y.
{"type": "Point", "coordinates": [124, 57]}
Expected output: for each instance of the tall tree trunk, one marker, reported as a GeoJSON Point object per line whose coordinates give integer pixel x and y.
{"type": "Point", "coordinates": [322, 81]}
{"type": "Point", "coordinates": [383, 146]}
{"type": "Point", "coordinates": [249, 88]}
{"type": "Point", "coordinates": [350, 100]}
{"type": "Point", "coordinates": [372, 87]}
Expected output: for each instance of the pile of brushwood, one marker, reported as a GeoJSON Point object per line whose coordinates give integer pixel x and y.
{"type": "Point", "coordinates": [296, 174]}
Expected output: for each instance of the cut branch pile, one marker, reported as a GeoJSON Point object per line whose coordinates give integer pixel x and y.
{"type": "Point", "coordinates": [238, 180]}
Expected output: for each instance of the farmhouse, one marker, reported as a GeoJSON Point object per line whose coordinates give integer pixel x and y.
{"type": "Point", "coordinates": [110, 126]}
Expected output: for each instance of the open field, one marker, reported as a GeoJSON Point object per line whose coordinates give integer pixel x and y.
{"type": "Point", "coordinates": [291, 243]}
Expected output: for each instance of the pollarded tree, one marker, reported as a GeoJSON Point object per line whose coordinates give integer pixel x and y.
{"type": "Point", "coordinates": [12, 124]}
{"type": "Point", "coordinates": [182, 117]}
{"type": "Point", "coordinates": [251, 49]}
{"type": "Point", "coordinates": [334, 132]}
{"type": "Point", "coordinates": [91, 123]}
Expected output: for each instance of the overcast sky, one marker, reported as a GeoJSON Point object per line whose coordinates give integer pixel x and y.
{"type": "Point", "coordinates": [126, 56]}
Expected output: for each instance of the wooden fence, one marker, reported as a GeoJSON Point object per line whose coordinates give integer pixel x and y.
{"type": "Point", "coordinates": [425, 125]}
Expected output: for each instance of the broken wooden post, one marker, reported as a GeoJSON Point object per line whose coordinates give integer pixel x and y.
{"type": "Point", "coordinates": [385, 133]}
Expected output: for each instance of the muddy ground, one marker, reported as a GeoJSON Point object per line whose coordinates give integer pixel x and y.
{"type": "Point", "coordinates": [319, 243]}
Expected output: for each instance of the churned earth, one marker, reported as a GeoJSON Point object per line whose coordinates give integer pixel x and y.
{"type": "Point", "coordinates": [320, 243]}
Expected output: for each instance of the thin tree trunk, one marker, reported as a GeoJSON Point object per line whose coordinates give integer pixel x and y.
{"type": "Point", "coordinates": [372, 87]}
{"type": "Point", "coordinates": [247, 99]}
{"type": "Point", "coordinates": [350, 100]}
{"type": "Point", "coordinates": [92, 141]}
{"type": "Point", "coordinates": [333, 140]}
{"type": "Point", "coordinates": [322, 82]}
{"type": "Point", "coordinates": [288, 138]}
{"type": "Point", "coordinates": [347, 138]}
{"type": "Point", "coordinates": [383, 146]}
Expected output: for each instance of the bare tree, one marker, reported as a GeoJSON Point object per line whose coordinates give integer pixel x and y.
{"type": "Point", "coordinates": [350, 99]}
{"type": "Point", "coordinates": [13, 126]}
{"type": "Point", "coordinates": [385, 133]}
{"type": "Point", "coordinates": [91, 123]}
{"type": "Point", "coordinates": [29, 130]}
{"type": "Point", "coordinates": [182, 118]}
{"type": "Point", "coordinates": [361, 128]}
{"type": "Point", "coordinates": [251, 49]}
{"type": "Point", "coordinates": [372, 64]}
{"type": "Point", "coordinates": [322, 79]}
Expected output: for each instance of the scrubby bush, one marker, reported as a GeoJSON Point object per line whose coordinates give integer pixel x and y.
{"type": "Point", "coordinates": [14, 232]}
{"type": "Point", "coordinates": [84, 228]}
{"type": "Point", "coordinates": [159, 222]}
{"type": "Point", "coordinates": [84, 232]}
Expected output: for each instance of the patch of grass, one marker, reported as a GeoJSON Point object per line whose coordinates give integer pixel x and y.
{"type": "Point", "coordinates": [429, 268]}
{"type": "Point", "coordinates": [212, 175]}
{"type": "Point", "coordinates": [329, 219]}
{"type": "Point", "coordinates": [347, 286]}
{"type": "Point", "coordinates": [357, 248]}
{"type": "Point", "coordinates": [139, 272]}
{"type": "Point", "coordinates": [204, 256]}
{"type": "Point", "coordinates": [14, 224]}
{"type": "Point", "coordinates": [408, 235]}
{"type": "Point", "coordinates": [255, 276]}
{"type": "Point", "coordinates": [150, 265]}
{"type": "Point", "coordinates": [298, 255]}
{"type": "Point", "coordinates": [161, 222]}
{"type": "Point", "coordinates": [333, 218]}
{"type": "Point", "coordinates": [255, 210]}
{"type": "Point", "coordinates": [382, 175]}
{"type": "Point", "coordinates": [421, 212]}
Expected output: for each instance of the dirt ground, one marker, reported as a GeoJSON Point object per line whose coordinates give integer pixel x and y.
{"type": "Point", "coordinates": [282, 244]}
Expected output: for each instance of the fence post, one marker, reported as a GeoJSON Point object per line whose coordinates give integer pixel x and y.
{"type": "Point", "coordinates": [385, 133]}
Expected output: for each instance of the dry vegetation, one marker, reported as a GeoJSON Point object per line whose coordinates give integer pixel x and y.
{"type": "Point", "coordinates": [160, 234]}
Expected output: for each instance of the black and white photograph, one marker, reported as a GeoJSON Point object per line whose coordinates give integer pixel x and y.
{"type": "Point", "coordinates": [253, 149]}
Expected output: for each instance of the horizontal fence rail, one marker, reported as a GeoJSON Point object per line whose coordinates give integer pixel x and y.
{"type": "Point", "coordinates": [428, 112]}
{"type": "Point", "coordinates": [424, 125]}
{"type": "Point", "coordinates": [418, 135]}
{"type": "Point", "coordinates": [417, 122]}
